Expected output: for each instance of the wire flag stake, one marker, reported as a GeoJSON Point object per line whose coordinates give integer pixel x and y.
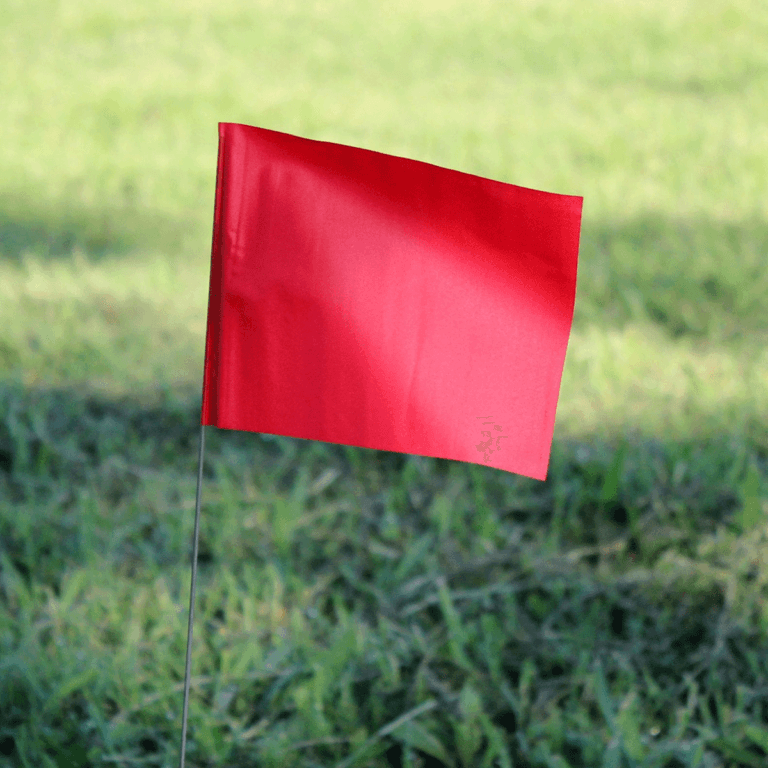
{"type": "Point", "coordinates": [192, 601]}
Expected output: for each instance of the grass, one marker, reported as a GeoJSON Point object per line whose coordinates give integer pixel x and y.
{"type": "Point", "coordinates": [360, 608]}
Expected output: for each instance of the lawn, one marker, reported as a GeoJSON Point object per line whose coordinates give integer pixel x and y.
{"type": "Point", "coordinates": [355, 607]}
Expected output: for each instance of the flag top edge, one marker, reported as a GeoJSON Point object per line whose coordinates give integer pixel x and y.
{"type": "Point", "coordinates": [564, 197]}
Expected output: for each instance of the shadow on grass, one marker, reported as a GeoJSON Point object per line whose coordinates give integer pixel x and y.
{"type": "Point", "coordinates": [54, 442]}
{"type": "Point", "coordinates": [79, 480]}
{"type": "Point", "coordinates": [697, 277]}
{"type": "Point", "coordinates": [95, 234]}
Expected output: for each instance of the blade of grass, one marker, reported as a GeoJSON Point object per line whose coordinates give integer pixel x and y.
{"type": "Point", "coordinates": [386, 730]}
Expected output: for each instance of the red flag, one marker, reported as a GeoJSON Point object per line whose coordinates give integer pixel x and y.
{"type": "Point", "coordinates": [375, 301]}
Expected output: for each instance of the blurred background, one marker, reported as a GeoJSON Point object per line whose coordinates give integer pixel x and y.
{"type": "Point", "coordinates": [358, 607]}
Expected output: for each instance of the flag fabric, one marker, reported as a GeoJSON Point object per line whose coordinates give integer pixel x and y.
{"type": "Point", "coordinates": [376, 301]}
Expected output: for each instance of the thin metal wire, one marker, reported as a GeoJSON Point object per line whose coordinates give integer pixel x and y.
{"type": "Point", "coordinates": [192, 600]}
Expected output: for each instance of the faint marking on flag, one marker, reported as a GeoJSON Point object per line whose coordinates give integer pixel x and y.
{"type": "Point", "coordinates": [486, 446]}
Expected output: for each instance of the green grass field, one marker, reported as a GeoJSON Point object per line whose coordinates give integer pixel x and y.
{"type": "Point", "coordinates": [360, 608]}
